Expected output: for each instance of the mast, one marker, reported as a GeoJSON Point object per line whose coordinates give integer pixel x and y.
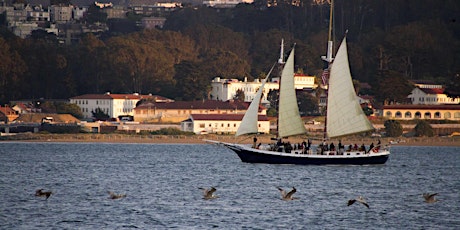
{"type": "Point", "coordinates": [328, 58]}
{"type": "Point", "coordinates": [281, 63]}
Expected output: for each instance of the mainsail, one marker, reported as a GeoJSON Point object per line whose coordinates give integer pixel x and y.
{"type": "Point", "coordinates": [289, 121]}
{"type": "Point", "coordinates": [249, 123]}
{"type": "Point", "coordinates": [344, 114]}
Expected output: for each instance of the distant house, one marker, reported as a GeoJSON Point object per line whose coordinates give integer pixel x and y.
{"type": "Point", "coordinates": [114, 105]}
{"type": "Point", "coordinates": [175, 112]}
{"type": "Point", "coordinates": [434, 96]}
{"type": "Point", "coordinates": [7, 114]}
{"type": "Point", "coordinates": [220, 123]}
{"type": "Point", "coordinates": [27, 107]}
{"type": "Point", "coordinates": [435, 112]}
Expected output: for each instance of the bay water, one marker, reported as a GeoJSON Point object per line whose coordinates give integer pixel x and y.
{"type": "Point", "coordinates": [162, 185]}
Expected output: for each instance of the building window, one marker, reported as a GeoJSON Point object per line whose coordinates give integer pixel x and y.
{"type": "Point", "coordinates": [447, 115]}
{"type": "Point", "coordinates": [418, 115]}
{"type": "Point", "coordinates": [427, 115]}
{"type": "Point", "coordinates": [388, 114]}
{"type": "Point", "coordinates": [457, 115]}
{"type": "Point", "coordinates": [201, 125]}
{"type": "Point", "coordinates": [408, 115]}
{"type": "Point", "coordinates": [398, 114]}
{"type": "Point", "coordinates": [234, 125]}
{"type": "Point", "coordinates": [437, 115]}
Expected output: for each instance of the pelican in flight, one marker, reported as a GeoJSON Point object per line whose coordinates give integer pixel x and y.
{"type": "Point", "coordinates": [360, 199]}
{"type": "Point", "coordinates": [208, 194]}
{"type": "Point", "coordinates": [42, 193]}
{"type": "Point", "coordinates": [429, 198]}
{"type": "Point", "coordinates": [114, 196]}
{"type": "Point", "coordinates": [287, 196]}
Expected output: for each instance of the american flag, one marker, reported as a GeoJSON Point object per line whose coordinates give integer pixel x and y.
{"type": "Point", "coordinates": [325, 76]}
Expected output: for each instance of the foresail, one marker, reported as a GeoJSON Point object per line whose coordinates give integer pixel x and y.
{"type": "Point", "coordinates": [344, 114]}
{"type": "Point", "coordinates": [289, 121]}
{"type": "Point", "coordinates": [249, 123]}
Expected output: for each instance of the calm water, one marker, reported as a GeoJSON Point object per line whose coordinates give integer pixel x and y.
{"type": "Point", "coordinates": [162, 182]}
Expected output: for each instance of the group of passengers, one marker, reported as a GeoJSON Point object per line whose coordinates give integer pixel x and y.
{"type": "Point", "coordinates": [324, 147]}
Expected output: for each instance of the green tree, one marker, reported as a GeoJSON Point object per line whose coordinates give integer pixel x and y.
{"type": "Point", "coordinates": [308, 104]}
{"type": "Point", "coordinates": [239, 95]}
{"type": "Point", "coordinates": [423, 128]}
{"type": "Point", "coordinates": [12, 67]}
{"type": "Point", "coordinates": [191, 81]}
{"type": "Point", "coordinates": [100, 115]}
{"type": "Point", "coordinates": [393, 128]}
{"type": "Point", "coordinates": [392, 88]}
{"type": "Point", "coordinates": [95, 14]}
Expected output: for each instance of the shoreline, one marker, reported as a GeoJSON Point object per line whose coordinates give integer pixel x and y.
{"type": "Point", "coordinates": [201, 139]}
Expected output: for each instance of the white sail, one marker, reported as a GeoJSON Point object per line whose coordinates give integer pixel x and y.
{"type": "Point", "coordinates": [344, 114]}
{"type": "Point", "coordinates": [289, 121]}
{"type": "Point", "coordinates": [249, 123]}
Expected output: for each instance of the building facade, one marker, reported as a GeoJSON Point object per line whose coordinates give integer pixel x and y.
{"type": "Point", "coordinates": [114, 105]}
{"type": "Point", "coordinates": [220, 123]}
{"type": "Point", "coordinates": [225, 89]}
{"type": "Point", "coordinates": [410, 112]}
{"type": "Point", "coordinates": [431, 96]}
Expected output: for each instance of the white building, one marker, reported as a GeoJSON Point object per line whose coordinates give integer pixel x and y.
{"type": "Point", "coordinates": [114, 105]}
{"type": "Point", "coordinates": [225, 3]}
{"type": "Point", "coordinates": [225, 89]}
{"type": "Point", "coordinates": [220, 123]}
{"type": "Point", "coordinates": [431, 96]}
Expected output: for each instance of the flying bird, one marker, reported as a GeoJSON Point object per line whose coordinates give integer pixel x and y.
{"type": "Point", "coordinates": [208, 194]}
{"type": "Point", "coordinates": [360, 199]}
{"type": "Point", "coordinates": [115, 196]}
{"type": "Point", "coordinates": [287, 196]}
{"type": "Point", "coordinates": [429, 198]}
{"type": "Point", "coordinates": [42, 193]}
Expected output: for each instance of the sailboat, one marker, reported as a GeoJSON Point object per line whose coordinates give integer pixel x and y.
{"type": "Point", "coordinates": [344, 116]}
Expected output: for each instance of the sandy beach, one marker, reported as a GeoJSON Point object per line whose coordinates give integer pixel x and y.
{"type": "Point", "coordinates": [201, 139]}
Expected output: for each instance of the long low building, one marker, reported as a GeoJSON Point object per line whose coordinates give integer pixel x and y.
{"type": "Point", "coordinates": [220, 123]}
{"type": "Point", "coordinates": [428, 112]}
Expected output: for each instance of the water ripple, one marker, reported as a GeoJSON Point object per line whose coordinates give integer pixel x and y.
{"type": "Point", "coordinates": [161, 182]}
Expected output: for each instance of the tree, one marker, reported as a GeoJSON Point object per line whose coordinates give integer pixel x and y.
{"type": "Point", "coordinates": [191, 81]}
{"type": "Point", "coordinates": [368, 111]}
{"type": "Point", "coordinates": [239, 95]}
{"type": "Point", "coordinates": [11, 68]}
{"type": "Point", "coordinates": [308, 104]}
{"type": "Point", "coordinates": [423, 128]}
{"type": "Point", "coordinates": [100, 115]}
{"type": "Point", "coordinates": [393, 128]}
{"type": "Point", "coordinates": [95, 14]}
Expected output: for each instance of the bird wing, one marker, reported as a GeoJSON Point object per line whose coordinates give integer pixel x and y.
{"type": "Point", "coordinates": [291, 192]}
{"type": "Point", "coordinates": [350, 202]}
{"type": "Point", "coordinates": [432, 195]}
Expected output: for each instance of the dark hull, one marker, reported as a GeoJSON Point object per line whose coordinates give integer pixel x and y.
{"type": "Point", "coordinates": [254, 156]}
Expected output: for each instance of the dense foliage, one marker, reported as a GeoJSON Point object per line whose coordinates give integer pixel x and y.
{"type": "Point", "coordinates": [390, 42]}
{"type": "Point", "coordinates": [393, 128]}
{"type": "Point", "coordinates": [423, 129]}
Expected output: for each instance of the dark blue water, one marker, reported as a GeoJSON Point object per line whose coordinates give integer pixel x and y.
{"type": "Point", "coordinates": [161, 183]}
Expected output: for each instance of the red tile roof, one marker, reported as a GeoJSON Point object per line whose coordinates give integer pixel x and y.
{"type": "Point", "coordinates": [223, 117]}
{"type": "Point", "coordinates": [109, 96]}
{"type": "Point", "coordinates": [432, 90]}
